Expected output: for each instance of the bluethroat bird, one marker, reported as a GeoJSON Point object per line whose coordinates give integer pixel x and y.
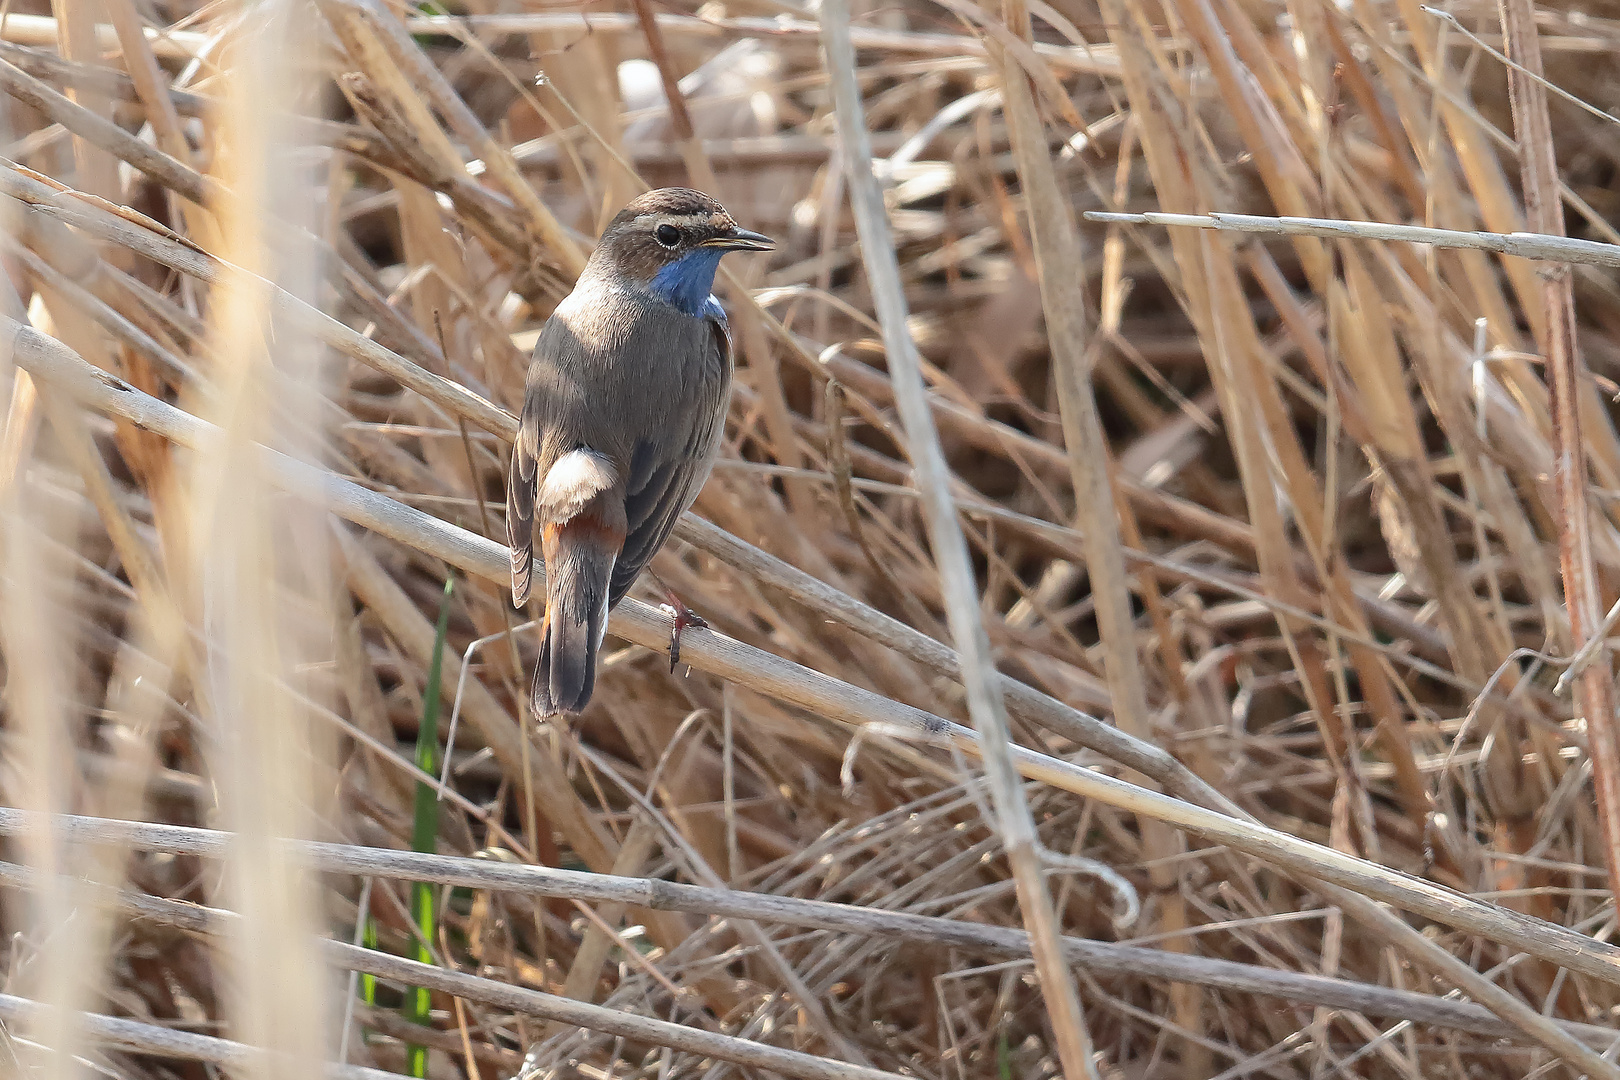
{"type": "Point", "coordinates": [622, 416]}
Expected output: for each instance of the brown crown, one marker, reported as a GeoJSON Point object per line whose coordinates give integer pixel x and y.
{"type": "Point", "coordinates": [675, 200]}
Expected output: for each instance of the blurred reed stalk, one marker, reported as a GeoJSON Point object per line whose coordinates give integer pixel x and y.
{"type": "Point", "coordinates": [258, 571]}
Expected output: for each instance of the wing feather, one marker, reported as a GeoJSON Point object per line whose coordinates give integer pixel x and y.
{"type": "Point", "coordinates": [665, 480]}
{"type": "Point", "coordinates": [520, 492]}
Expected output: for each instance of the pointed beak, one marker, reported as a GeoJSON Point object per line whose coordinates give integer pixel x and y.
{"type": "Point", "coordinates": [742, 240]}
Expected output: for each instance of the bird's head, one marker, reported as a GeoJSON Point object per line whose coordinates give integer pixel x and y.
{"type": "Point", "coordinates": [670, 242]}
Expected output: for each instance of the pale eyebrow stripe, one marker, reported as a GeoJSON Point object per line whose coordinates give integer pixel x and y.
{"type": "Point", "coordinates": [696, 218]}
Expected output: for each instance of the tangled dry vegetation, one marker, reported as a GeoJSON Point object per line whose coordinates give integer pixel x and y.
{"type": "Point", "coordinates": [1280, 681]}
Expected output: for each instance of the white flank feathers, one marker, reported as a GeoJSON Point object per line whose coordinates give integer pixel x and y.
{"type": "Point", "coordinates": [577, 478]}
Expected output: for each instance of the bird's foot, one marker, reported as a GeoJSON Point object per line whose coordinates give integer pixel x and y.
{"type": "Point", "coordinates": [684, 617]}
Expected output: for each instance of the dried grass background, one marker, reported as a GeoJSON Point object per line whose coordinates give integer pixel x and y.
{"type": "Point", "coordinates": [1281, 681]}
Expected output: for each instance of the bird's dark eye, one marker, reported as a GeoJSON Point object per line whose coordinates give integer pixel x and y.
{"type": "Point", "coordinates": [668, 235]}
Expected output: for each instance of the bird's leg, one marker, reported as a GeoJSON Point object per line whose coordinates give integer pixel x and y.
{"type": "Point", "coordinates": [684, 617]}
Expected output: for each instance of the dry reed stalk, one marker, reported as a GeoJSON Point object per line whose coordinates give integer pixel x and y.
{"type": "Point", "coordinates": [614, 890]}
{"type": "Point", "coordinates": [168, 1043]}
{"type": "Point", "coordinates": [134, 690]}
{"type": "Point", "coordinates": [38, 30]}
{"type": "Point", "coordinates": [1550, 247]}
{"type": "Point", "coordinates": [985, 704]}
{"type": "Point", "coordinates": [425, 79]}
{"type": "Point", "coordinates": [586, 971]}
{"type": "Point", "coordinates": [76, 25]}
{"type": "Point", "coordinates": [1058, 262]}
{"type": "Point", "coordinates": [79, 939]}
{"type": "Point", "coordinates": [639, 1029]}
{"type": "Point", "coordinates": [161, 112]}
{"type": "Point", "coordinates": [1091, 59]}
{"type": "Point", "coordinates": [37, 694]}
{"type": "Point", "coordinates": [1566, 373]}
{"type": "Point", "coordinates": [1190, 186]}
{"type": "Point", "coordinates": [244, 583]}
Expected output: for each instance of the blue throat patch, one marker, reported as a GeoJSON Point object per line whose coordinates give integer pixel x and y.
{"type": "Point", "coordinates": [688, 282]}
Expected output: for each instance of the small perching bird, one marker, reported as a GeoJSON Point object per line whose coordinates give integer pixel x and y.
{"type": "Point", "coordinates": [622, 416]}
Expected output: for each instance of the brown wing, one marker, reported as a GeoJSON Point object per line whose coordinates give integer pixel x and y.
{"type": "Point", "coordinates": [665, 477]}
{"type": "Point", "coordinates": [520, 491]}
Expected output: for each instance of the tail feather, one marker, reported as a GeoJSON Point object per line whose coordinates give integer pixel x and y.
{"type": "Point", "coordinates": [579, 558]}
{"type": "Point", "coordinates": [565, 674]}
